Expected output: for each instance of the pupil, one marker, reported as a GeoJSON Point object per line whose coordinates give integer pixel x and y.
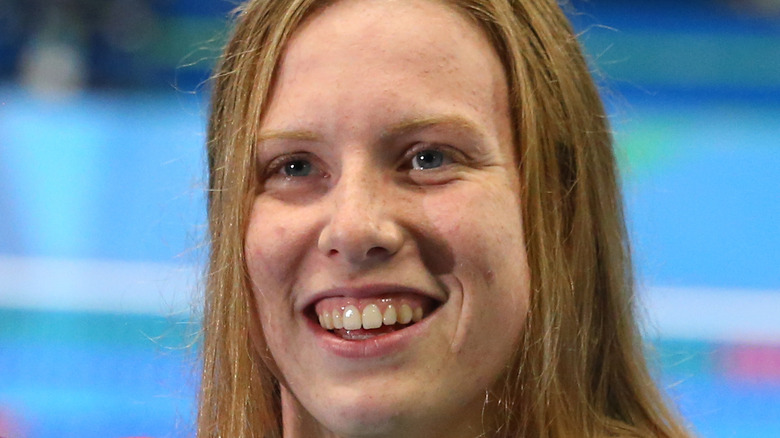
{"type": "Point", "coordinates": [297, 168]}
{"type": "Point", "coordinates": [429, 159]}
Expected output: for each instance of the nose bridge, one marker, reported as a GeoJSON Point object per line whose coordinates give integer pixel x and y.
{"type": "Point", "coordinates": [358, 194]}
{"type": "Point", "coordinates": [361, 224]}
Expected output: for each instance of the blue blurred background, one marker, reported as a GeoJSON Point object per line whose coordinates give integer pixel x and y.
{"type": "Point", "coordinates": [102, 119]}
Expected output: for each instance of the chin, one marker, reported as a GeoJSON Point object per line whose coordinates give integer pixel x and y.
{"type": "Point", "coordinates": [356, 412]}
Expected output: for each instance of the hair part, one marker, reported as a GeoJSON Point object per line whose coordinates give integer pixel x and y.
{"type": "Point", "coordinates": [580, 369]}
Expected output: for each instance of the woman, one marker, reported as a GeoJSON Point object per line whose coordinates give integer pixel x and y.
{"type": "Point", "coordinates": [416, 229]}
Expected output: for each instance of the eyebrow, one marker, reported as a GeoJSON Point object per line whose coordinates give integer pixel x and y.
{"type": "Point", "coordinates": [393, 131]}
{"type": "Point", "coordinates": [301, 135]}
{"type": "Point", "coordinates": [416, 124]}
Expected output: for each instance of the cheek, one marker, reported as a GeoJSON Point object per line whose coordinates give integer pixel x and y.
{"type": "Point", "coordinates": [263, 244]}
{"type": "Point", "coordinates": [274, 246]}
{"type": "Point", "coordinates": [483, 230]}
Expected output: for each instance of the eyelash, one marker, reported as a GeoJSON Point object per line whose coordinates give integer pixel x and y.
{"type": "Point", "coordinates": [276, 165]}
{"type": "Point", "coordinates": [450, 156]}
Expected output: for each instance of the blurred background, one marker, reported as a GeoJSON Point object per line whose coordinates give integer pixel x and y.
{"type": "Point", "coordinates": [102, 219]}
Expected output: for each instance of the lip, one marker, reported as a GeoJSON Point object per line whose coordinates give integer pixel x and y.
{"type": "Point", "coordinates": [378, 346]}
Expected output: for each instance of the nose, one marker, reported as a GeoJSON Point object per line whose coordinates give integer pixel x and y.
{"type": "Point", "coordinates": [361, 229]}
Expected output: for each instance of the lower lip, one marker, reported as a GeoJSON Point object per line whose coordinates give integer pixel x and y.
{"type": "Point", "coordinates": [377, 346]}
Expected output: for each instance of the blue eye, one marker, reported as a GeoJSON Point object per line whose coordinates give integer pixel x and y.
{"type": "Point", "coordinates": [428, 159]}
{"type": "Point", "coordinates": [297, 168]}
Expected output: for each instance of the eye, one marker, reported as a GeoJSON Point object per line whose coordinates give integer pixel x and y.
{"type": "Point", "coordinates": [296, 167]}
{"type": "Point", "coordinates": [430, 158]}
{"type": "Point", "coordinates": [433, 163]}
{"type": "Point", "coordinates": [289, 168]}
{"type": "Point", "coordinates": [299, 175]}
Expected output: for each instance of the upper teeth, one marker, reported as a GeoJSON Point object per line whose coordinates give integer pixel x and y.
{"type": "Point", "coordinates": [371, 317]}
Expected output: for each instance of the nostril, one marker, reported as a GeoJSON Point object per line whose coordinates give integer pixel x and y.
{"type": "Point", "coordinates": [360, 241]}
{"type": "Point", "coordinates": [376, 251]}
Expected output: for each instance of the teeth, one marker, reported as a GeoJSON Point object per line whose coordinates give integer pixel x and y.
{"type": "Point", "coordinates": [326, 321]}
{"type": "Point", "coordinates": [337, 321]}
{"type": "Point", "coordinates": [372, 317]}
{"type": "Point", "coordinates": [390, 317]}
{"type": "Point", "coordinates": [405, 315]}
{"type": "Point", "coordinates": [417, 316]}
{"type": "Point", "coordinates": [351, 318]}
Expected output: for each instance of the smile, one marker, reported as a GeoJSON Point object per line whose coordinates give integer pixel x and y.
{"type": "Point", "coordinates": [376, 318]}
{"type": "Point", "coordinates": [364, 315]}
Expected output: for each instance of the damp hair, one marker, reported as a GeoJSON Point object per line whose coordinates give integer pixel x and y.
{"type": "Point", "coordinates": [579, 369]}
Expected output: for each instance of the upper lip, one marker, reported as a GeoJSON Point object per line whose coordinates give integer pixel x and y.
{"type": "Point", "coordinates": [366, 291]}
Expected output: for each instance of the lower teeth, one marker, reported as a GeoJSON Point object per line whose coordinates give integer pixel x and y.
{"type": "Point", "coordinates": [362, 334]}
{"type": "Point", "coordinates": [358, 336]}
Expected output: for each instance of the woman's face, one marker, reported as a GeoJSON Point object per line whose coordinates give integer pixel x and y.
{"type": "Point", "coordinates": [389, 193]}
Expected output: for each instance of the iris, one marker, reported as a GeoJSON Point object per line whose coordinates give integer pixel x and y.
{"type": "Point", "coordinates": [428, 159]}
{"type": "Point", "coordinates": [297, 168]}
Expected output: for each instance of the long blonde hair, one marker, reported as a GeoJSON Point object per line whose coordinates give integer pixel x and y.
{"type": "Point", "coordinates": [580, 369]}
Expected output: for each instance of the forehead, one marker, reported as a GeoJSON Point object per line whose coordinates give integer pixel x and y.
{"type": "Point", "coordinates": [422, 52]}
{"type": "Point", "coordinates": [416, 26]}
